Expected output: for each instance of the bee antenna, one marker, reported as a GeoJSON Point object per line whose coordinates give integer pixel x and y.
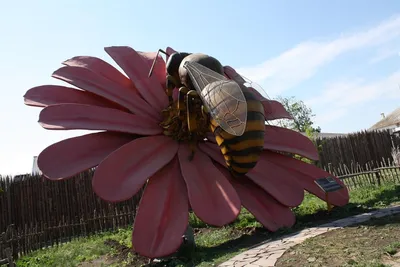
{"type": "Point", "coordinates": [155, 59]}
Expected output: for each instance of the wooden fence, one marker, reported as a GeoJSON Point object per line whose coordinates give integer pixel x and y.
{"type": "Point", "coordinates": [356, 175]}
{"type": "Point", "coordinates": [361, 148]}
{"type": "Point", "coordinates": [37, 212]}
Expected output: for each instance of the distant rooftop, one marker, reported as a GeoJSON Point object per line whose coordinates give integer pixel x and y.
{"type": "Point", "coordinates": [390, 121]}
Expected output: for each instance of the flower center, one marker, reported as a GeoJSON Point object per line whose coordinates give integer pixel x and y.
{"type": "Point", "coordinates": [176, 122]}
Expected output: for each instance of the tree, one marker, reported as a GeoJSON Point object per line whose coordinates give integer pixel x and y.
{"type": "Point", "coordinates": [302, 116]}
{"type": "Point", "coordinates": [302, 121]}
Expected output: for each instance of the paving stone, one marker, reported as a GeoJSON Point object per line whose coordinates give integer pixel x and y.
{"type": "Point", "coordinates": [273, 250]}
{"type": "Point", "coordinates": [264, 262]}
{"type": "Point", "coordinates": [275, 257]}
{"type": "Point", "coordinates": [252, 252]}
{"type": "Point", "coordinates": [251, 256]}
{"type": "Point", "coordinates": [248, 260]}
{"type": "Point", "coordinates": [237, 257]}
{"type": "Point", "coordinates": [241, 264]}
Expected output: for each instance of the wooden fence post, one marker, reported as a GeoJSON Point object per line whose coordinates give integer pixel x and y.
{"type": "Point", "coordinates": [378, 177]}
{"type": "Point", "coordinates": [8, 252]}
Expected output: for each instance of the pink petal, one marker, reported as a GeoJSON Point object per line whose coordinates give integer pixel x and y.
{"type": "Point", "coordinates": [74, 155]}
{"type": "Point", "coordinates": [274, 179]}
{"type": "Point", "coordinates": [233, 75]}
{"type": "Point", "coordinates": [90, 81]}
{"type": "Point", "coordinates": [121, 175]}
{"type": "Point", "coordinates": [211, 137]}
{"type": "Point", "coordinates": [282, 139]}
{"type": "Point", "coordinates": [101, 68]}
{"type": "Point", "coordinates": [306, 174]}
{"type": "Point", "coordinates": [133, 65]}
{"type": "Point", "coordinates": [163, 213]}
{"type": "Point", "coordinates": [212, 197]}
{"type": "Point", "coordinates": [277, 181]}
{"type": "Point", "coordinates": [169, 51]}
{"type": "Point", "coordinates": [159, 70]}
{"type": "Point", "coordinates": [85, 117]}
{"type": "Point", "coordinates": [270, 213]}
{"type": "Point", "coordinates": [46, 95]}
{"type": "Point", "coordinates": [213, 151]}
{"type": "Point", "coordinates": [274, 110]}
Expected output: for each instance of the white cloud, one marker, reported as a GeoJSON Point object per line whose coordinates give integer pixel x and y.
{"type": "Point", "coordinates": [330, 116]}
{"type": "Point", "coordinates": [337, 98]}
{"type": "Point", "coordinates": [358, 92]}
{"type": "Point", "coordinates": [385, 53]}
{"type": "Point", "coordinates": [303, 61]}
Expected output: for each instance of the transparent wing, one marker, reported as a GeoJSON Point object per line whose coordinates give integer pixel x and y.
{"type": "Point", "coordinates": [253, 85]}
{"type": "Point", "coordinates": [223, 97]}
{"type": "Point", "coordinates": [262, 96]}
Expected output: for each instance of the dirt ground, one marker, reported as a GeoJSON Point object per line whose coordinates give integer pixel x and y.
{"type": "Point", "coordinates": [375, 243]}
{"type": "Point", "coordinates": [123, 255]}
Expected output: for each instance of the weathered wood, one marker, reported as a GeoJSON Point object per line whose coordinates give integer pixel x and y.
{"type": "Point", "coordinates": [44, 213]}
{"type": "Point", "coordinates": [361, 148]}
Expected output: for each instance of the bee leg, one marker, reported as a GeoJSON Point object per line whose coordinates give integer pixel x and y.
{"type": "Point", "coordinates": [204, 112]}
{"type": "Point", "coordinates": [206, 117]}
{"type": "Point", "coordinates": [191, 98]}
{"type": "Point", "coordinates": [170, 86]}
{"type": "Point", "coordinates": [181, 101]}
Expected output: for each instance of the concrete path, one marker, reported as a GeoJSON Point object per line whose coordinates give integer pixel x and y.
{"type": "Point", "coordinates": [267, 253]}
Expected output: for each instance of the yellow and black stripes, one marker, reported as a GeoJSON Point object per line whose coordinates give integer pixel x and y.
{"type": "Point", "coordinates": [241, 153]}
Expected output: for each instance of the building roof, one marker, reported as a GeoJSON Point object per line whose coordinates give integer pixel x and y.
{"type": "Point", "coordinates": [391, 120]}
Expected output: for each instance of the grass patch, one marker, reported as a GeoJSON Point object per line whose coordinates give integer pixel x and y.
{"type": "Point", "coordinates": [76, 251]}
{"type": "Point", "coordinates": [214, 245]}
{"type": "Point", "coordinates": [372, 243]}
{"type": "Point", "coordinates": [392, 248]}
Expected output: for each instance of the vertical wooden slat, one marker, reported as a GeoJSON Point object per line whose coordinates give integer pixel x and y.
{"type": "Point", "coordinates": [48, 212]}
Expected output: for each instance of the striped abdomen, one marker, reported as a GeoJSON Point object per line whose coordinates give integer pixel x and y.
{"type": "Point", "coordinates": [241, 153]}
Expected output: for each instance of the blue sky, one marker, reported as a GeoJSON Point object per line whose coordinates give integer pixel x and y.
{"type": "Point", "coordinates": [340, 57]}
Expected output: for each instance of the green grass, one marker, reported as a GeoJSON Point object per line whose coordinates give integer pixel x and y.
{"type": "Point", "coordinates": [215, 245]}
{"type": "Point", "coordinates": [392, 248]}
{"type": "Point", "coordinates": [76, 251]}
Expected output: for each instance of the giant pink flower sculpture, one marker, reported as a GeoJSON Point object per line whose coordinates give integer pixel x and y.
{"type": "Point", "coordinates": [131, 149]}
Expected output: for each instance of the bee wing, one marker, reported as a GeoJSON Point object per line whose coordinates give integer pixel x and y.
{"type": "Point", "coordinates": [223, 98]}
{"type": "Point", "coordinates": [249, 83]}
{"type": "Point", "coordinates": [263, 96]}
